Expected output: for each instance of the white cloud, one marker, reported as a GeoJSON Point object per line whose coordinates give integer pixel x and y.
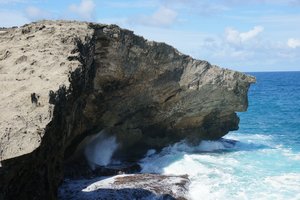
{"type": "Point", "coordinates": [85, 9]}
{"type": "Point", "coordinates": [293, 43]}
{"type": "Point", "coordinates": [236, 48]}
{"type": "Point", "coordinates": [126, 5]}
{"type": "Point", "coordinates": [194, 7]}
{"type": "Point", "coordinates": [252, 33]}
{"type": "Point", "coordinates": [10, 18]}
{"type": "Point", "coordinates": [35, 13]}
{"type": "Point", "coordinates": [162, 17]}
{"type": "Point", "coordinates": [235, 37]}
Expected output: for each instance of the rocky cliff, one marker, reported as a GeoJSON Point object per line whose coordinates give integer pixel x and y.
{"type": "Point", "coordinates": [62, 81]}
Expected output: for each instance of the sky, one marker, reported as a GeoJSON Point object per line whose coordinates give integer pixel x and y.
{"type": "Point", "coordinates": [244, 35]}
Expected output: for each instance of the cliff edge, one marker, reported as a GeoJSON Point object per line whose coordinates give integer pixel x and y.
{"type": "Point", "coordinates": [61, 81]}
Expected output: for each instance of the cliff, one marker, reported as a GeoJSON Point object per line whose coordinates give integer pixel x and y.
{"type": "Point", "coordinates": [62, 81]}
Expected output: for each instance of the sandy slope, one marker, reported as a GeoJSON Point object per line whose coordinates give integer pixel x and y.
{"type": "Point", "coordinates": [32, 60]}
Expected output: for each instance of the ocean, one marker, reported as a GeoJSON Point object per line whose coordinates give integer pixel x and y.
{"type": "Point", "coordinates": [259, 161]}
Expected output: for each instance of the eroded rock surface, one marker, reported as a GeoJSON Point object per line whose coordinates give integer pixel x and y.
{"type": "Point", "coordinates": [61, 81]}
{"type": "Point", "coordinates": [123, 187]}
{"type": "Point", "coordinates": [33, 62]}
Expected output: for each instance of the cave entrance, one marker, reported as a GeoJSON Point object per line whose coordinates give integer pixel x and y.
{"type": "Point", "coordinates": [96, 155]}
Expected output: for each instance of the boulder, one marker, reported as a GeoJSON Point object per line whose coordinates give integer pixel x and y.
{"type": "Point", "coordinates": [124, 187]}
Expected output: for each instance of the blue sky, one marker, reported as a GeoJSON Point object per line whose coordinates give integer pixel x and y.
{"type": "Point", "coordinates": [252, 35]}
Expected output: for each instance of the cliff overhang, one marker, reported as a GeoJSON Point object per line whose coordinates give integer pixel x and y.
{"type": "Point", "coordinates": [75, 79]}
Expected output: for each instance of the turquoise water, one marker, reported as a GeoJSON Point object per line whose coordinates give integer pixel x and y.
{"type": "Point", "coordinates": [264, 163]}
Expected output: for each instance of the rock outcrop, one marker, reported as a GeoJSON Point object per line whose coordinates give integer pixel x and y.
{"type": "Point", "coordinates": [62, 81]}
{"type": "Point", "coordinates": [124, 187]}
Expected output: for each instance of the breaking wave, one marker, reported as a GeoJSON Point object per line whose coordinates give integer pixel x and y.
{"type": "Point", "coordinates": [241, 166]}
{"type": "Point", "coordinates": [99, 149]}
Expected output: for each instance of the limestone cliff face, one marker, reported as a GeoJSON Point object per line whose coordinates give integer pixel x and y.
{"type": "Point", "coordinates": [62, 81]}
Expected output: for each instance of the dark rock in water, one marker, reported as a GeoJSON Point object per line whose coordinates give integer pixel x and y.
{"type": "Point", "coordinates": [124, 187]}
{"type": "Point", "coordinates": [77, 170]}
{"type": "Point", "coordinates": [228, 143]}
{"type": "Point", "coordinates": [93, 77]}
{"type": "Point", "coordinates": [117, 169]}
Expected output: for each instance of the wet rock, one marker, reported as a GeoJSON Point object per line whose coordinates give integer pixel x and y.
{"type": "Point", "coordinates": [81, 170]}
{"type": "Point", "coordinates": [123, 187]}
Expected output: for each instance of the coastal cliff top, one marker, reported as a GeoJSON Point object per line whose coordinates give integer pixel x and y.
{"type": "Point", "coordinates": [33, 61]}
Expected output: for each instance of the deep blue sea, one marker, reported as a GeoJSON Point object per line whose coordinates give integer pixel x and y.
{"type": "Point", "coordinates": [264, 163]}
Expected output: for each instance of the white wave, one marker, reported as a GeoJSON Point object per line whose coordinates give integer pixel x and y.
{"type": "Point", "coordinates": [154, 163]}
{"type": "Point", "coordinates": [150, 152]}
{"type": "Point", "coordinates": [287, 186]}
{"type": "Point", "coordinates": [291, 155]}
{"type": "Point", "coordinates": [254, 168]}
{"type": "Point", "coordinates": [204, 146]}
{"type": "Point", "coordinates": [251, 138]}
{"type": "Point", "coordinates": [180, 158]}
{"type": "Point", "coordinates": [285, 181]}
{"type": "Point", "coordinates": [99, 149]}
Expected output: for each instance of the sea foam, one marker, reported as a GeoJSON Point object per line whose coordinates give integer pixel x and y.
{"type": "Point", "coordinates": [245, 166]}
{"type": "Point", "coordinates": [99, 149]}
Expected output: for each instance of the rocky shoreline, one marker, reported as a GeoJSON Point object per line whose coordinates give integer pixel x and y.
{"type": "Point", "coordinates": [64, 82]}
{"type": "Point", "coordinates": [120, 182]}
{"type": "Point", "coordinates": [129, 186]}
